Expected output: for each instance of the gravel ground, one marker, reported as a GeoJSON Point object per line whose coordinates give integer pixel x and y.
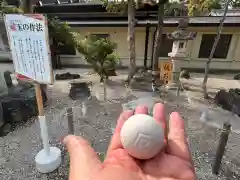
{"type": "Point", "coordinates": [18, 148]}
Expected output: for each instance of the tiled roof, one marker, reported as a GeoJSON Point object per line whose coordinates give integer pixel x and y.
{"type": "Point", "coordinates": [206, 19]}
{"type": "Point", "coordinates": [80, 15]}
{"type": "Point", "coordinates": [52, 2]}
{"type": "Point", "coordinates": [168, 21]}
{"type": "Point", "coordinates": [220, 12]}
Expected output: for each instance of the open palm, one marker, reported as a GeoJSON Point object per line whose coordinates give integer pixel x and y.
{"type": "Point", "coordinates": [172, 163]}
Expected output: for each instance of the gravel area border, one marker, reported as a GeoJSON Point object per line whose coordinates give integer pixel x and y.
{"type": "Point", "coordinates": [18, 148]}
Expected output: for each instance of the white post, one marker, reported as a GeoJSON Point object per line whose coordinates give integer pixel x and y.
{"type": "Point", "coordinates": [49, 158]}
{"type": "Point", "coordinates": [44, 134]}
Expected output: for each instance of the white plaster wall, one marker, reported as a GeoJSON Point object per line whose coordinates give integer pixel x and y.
{"type": "Point", "coordinates": [119, 35]}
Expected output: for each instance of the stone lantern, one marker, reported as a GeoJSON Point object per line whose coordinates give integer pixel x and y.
{"type": "Point", "coordinates": [180, 39]}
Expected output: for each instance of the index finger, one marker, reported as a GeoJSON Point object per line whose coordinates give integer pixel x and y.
{"type": "Point", "coordinates": [177, 142]}
{"type": "Point", "coordinates": [159, 114]}
{"type": "Point", "coordinates": [80, 151]}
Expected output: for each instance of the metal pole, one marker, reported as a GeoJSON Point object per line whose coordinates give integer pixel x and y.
{"type": "Point", "coordinates": [221, 147]}
{"type": "Point", "coordinates": [70, 121]}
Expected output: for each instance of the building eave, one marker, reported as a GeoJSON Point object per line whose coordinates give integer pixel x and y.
{"type": "Point", "coordinates": [81, 7]}
{"type": "Point", "coordinates": [141, 24]}
{"type": "Point", "coordinates": [88, 14]}
{"type": "Point", "coordinates": [168, 22]}
{"type": "Point", "coordinates": [110, 18]}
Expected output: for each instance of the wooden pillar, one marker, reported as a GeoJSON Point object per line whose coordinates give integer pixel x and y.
{"type": "Point", "coordinates": [146, 46]}
{"type": "Point", "coordinates": [154, 34]}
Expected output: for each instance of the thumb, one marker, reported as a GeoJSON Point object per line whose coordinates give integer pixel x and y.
{"type": "Point", "coordinates": [84, 161]}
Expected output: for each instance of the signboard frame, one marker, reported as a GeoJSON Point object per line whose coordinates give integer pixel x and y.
{"type": "Point", "coordinates": [46, 40]}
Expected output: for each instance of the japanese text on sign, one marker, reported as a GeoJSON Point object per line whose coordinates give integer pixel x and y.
{"type": "Point", "coordinates": [27, 37]}
{"type": "Point", "coordinates": [166, 71]}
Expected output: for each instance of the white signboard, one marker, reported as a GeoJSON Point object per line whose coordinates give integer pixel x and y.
{"type": "Point", "coordinates": [28, 41]}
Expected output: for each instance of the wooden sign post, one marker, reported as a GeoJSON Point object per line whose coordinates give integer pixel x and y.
{"type": "Point", "coordinates": [28, 40]}
{"type": "Point", "coordinates": [166, 68]}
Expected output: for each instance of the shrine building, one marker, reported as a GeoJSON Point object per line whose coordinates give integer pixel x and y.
{"type": "Point", "coordinates": [92, 18]}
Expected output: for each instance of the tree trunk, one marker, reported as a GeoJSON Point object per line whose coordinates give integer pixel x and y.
{"type": "Point", "coordinates": [27, 6]}
{"type": "Point", "coordinates": [53, 48]}
{"type": "Point", "coordinates": [131, 40]}
{"type": "Point", "coordinates": [105, 89]}
{"type": "Point", "coordinates": [157, 43]}
{"type": "Point", "coordinates": [204, 84]}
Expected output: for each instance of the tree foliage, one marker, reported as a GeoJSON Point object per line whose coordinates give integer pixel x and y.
{"type": "Point", "coordinates": [4, 9]}
{"type": "Point", "coordinates": [121, 5]}
{"type": "Point", "coordinates": [170, 8]}
{"type": "Point", "coordinates": [174, 9]}
{"type": "Point", "coordinates": [11, 10]}
{"type": "Point", "coordinates": [99, 52]}
{"type": "Point", "coordinates": [201, 7]}
{"type": "Point", "coordinates": [234, 3]}
{"type": "Point", "coordinates": [115, 5]}
{"type": "Point", "coordinates": [59, 31]}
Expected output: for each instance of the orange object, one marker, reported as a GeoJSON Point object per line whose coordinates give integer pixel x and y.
{"type": "Point", "coordinates": [166, 68]}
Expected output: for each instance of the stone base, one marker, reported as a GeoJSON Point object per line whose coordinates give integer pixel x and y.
{"type": "Point", "coordinates": [47, 163]}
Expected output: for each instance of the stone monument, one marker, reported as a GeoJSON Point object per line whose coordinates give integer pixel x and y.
{"type": "Point", "coordinates": [180, 38]}
{"type": "Point", "coordinates": [3, 85]}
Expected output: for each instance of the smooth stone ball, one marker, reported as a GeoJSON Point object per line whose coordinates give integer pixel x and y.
{"type": "Point", "coordinates": [142, 137]}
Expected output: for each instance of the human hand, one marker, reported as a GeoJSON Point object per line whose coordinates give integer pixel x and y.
{"type": "Point", "coordinates": [174, 162]}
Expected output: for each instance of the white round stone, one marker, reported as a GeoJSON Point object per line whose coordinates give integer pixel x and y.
{"type": "Point", "coordinates": [142, 137]}
{"type": "Point", "coordinates": [47, 163]}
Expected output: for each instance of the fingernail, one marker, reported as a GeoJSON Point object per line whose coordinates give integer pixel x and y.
{"type": "Point", "coordinates": [175, 115]}
{"type": "Point", "coordinates": [66, 139]}
{"type": "Point", "coordinates": [62, 139]}
{"type": "Point", "coordinates": [127, 114]}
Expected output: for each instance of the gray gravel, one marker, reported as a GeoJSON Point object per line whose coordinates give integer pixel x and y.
{"type": "Point", "coordinates": [18, 148]}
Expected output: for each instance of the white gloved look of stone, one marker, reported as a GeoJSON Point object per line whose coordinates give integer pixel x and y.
{"type": "Point", "coordinates": [142, 137]}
